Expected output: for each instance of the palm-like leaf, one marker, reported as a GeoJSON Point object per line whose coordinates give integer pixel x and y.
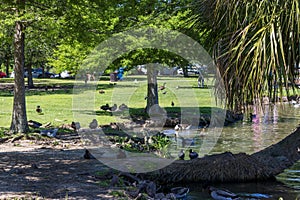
{"type": "Point", "coordinates": [257, 45]}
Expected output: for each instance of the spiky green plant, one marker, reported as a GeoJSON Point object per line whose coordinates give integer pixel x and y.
{"type": "Point", "coordinates": [255, 44]}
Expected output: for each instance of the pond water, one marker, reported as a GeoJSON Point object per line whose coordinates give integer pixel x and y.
{"type": "Point", "coordinates": [264, 130]}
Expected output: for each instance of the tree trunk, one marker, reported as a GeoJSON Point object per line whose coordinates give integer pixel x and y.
{"type": "Point", "coordinates": [19, 118]}
{"type": "Point", "coordinates": [152, 93]}
{"type": "Point", "coordinates": [29, 75]}
{"type": "Point", "coordinates": [7, 60]}
{"type": "Point", "coordinates": [228, 167]}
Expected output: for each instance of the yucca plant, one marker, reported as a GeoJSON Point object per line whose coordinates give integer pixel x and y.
{"type": "Point", "coordinates": [255, 45]}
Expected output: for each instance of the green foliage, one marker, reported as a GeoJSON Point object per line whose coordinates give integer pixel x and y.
{"type": "Point", "coordinates": [67, 57]}
{"type": "Point", "coordinates": [61, 34]}
{"type": "Point", "coordinates": [256, 45]}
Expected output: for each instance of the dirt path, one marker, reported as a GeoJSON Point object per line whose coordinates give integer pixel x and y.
{"type": "Point", "coordinates": [39, 169]}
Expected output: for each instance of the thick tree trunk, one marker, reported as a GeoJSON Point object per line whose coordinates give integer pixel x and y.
{"type": "Point", "coordinates": [228, 167]}
{"type": "Point", "coordinates": [152, 93]}
{"type": "Point", "coordinates": [19, 118]}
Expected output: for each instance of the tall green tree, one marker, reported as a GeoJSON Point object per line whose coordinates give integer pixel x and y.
{"type": "Point", "coordinates": [19, 117]}
{"type": "Point", "coordinates": [256, 45]}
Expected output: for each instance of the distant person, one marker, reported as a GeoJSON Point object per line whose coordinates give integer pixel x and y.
{"type": "Point", "coordinates": [120, 73]}
{"type": "Point", "coordinates": [200, 80]}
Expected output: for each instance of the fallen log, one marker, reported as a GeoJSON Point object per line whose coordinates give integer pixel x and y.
{"type": "Point", "coordinates": [228, 167]}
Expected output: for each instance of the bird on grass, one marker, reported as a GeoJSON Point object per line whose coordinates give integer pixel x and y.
{"type": "Point", "coordinates": [172, 104]}
{"type": "Point", "coordinates": [93, 124]}
{"type": "Point", "coordinates": [105, 107]}
{"type": "Point", "coordinates": [193, 154]}
{"type": "Point", "coordinates": [101, 91]}
{"type": "Point", "coordinates": [39, 110]}
{"type": "Point", "coordinates": [162, 87]}
{"type": "Point", "coordinates": [181, 155]}
{"type": "Point", "coordinates": [114, 107]}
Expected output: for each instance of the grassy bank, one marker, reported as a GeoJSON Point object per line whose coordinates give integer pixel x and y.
{"type": "Point", "coordinates": [55, 96]}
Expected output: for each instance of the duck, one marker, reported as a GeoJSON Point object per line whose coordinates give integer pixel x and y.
{"type": "Point", "coordinates": [180, 192]}
{"type": "Point", "coordinates": [181, 155]}
{"type": "Point", "coordinates": [172, 104]}
{"type": "Point", "coordinates": [123, 107]}
{"type": "Point", "coordinates": [75, 126]}
{"type": "Point", "coordinates": [193, 154]}
{"type": "Point", "coordinates": [162, 87]}
{"type": "Point", "coordinates": [114, 107]}
{"type": "Point", "coordinates": [39, 110]}
{"type": "Point", "coordinates": [221, 194]}
{"type": "Point", "coordinates": [50, 132]}
{"type": "Point", "coordinates": [93, 124]}
{"type": "Point", "coordinates": [105, 107]}
{"type": "Point", "coordinates": [34, 124]}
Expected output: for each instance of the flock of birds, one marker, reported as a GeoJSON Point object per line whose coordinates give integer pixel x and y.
{"type": "Point", "coordinates": [114, 108]}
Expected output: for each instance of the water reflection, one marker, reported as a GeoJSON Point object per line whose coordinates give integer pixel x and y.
{"type": "Point", "coordinates": [267, 125]}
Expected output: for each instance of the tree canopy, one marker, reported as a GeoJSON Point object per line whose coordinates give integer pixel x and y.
{"type": "Point", "coordinates": [255, 44]}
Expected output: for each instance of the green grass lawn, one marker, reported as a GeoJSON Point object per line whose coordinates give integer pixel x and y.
{"type": "Point", "coordinates": [62, 104]}
{"type": "Point", "coordinates": [59, 108]}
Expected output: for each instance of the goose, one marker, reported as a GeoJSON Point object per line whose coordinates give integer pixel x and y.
{"type": "Point", "coordinates": [193, 154]}
{"type": "Point", "coordinates": [101, 91]}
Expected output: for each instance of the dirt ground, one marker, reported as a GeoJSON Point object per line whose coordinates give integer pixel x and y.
{"type": "Point", "coordinates": [51, 169]}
